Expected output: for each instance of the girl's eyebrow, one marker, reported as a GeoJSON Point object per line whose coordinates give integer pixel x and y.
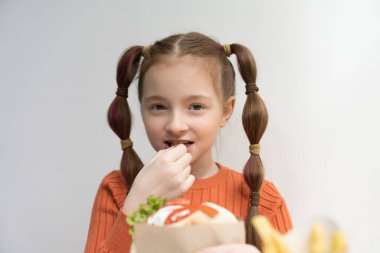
{"type": "Point", "coordinates": [196, 97]}
{"type": "Point", "coordinates": [192, 97]}
{"type": "Point", "coordinates": [147, 99]}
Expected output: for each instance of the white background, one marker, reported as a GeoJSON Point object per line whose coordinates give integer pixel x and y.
{"type": "Point", "coordinates": [318, 74]}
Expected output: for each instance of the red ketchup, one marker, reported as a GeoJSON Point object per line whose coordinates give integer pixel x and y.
{"type": "Point", "coordinates": [186, 210]}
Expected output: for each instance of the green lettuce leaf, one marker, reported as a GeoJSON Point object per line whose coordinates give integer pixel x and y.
{"type": "Point", "coordinates": [144, 211]}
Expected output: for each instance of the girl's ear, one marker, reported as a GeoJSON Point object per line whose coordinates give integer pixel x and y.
{"type": "Point", "coordinates": [228, 110]}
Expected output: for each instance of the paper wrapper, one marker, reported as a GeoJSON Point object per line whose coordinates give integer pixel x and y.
{"type": "Point", "coordinates": [187, 239]}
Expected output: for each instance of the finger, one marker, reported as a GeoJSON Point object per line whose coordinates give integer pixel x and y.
{"type": "Point", "coordinates": [184, 161]}
{"type": "Point", "coordinates": [160, 153]}
{"type": "Point", "coordinates": [175, 153]}
{"type": "Point", "coordinates": [185, 173]}
{"type": "Point", "coordinates": [189, 181]}
{"type": "Point", "coordinates": [155, 157]}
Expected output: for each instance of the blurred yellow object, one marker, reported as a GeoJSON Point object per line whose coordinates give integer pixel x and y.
{"type": "Point", "coordinates": [272, 241]}
{"type": "Point", "coordinates": [338, 242]}
{"type": "Point", "coordinates": [317, 241]}
{"type": "Point", "coordinates": [322, 238]}
{"type": "Point", "coordinates": [265, 231]}
{"type": "Point", "coordinates": [279, 243]}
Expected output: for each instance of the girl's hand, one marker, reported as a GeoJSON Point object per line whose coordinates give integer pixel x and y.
{"type": "Point", "coordinates": [167, 175]}
{"type": "Point", "coordinates": [231, 248]}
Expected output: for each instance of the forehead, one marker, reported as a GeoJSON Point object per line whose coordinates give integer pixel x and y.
{"type": "Point", "coordinates": [183, 74]}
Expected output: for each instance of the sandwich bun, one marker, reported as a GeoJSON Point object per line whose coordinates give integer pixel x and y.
{"type": "Point", "coordinates": [179, 214]}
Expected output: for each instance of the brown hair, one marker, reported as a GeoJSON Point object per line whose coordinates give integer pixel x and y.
{"type": "Point", "coordinates": [255, 116]}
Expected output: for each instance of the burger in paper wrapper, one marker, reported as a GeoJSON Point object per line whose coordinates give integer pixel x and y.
{"type": "Point", "coordinates": [181, 227]}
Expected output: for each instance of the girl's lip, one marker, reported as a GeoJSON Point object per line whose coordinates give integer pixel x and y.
{"type": "Point", "coordinates": [189, 146]}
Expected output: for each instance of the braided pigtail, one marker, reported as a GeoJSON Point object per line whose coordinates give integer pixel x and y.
{"type": "Point", "coordinates": [255, 119]}
{"type": "Point", "coordinates": [119, 115]}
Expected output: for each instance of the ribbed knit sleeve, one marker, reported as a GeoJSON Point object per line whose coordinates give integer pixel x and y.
{"type": "Point", "coordinates": [108, 230]}
{"type": "Point", "coordinates": [273, 206]}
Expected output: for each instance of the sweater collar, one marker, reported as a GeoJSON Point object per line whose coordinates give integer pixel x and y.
{"type": "Point", "coordinates": [213, 180]}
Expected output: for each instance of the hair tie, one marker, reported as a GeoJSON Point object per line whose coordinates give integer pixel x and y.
{"type": "Point", "coordinates": [251, 87]}
{"type": "Point", "coordinates": [254, 198]}
{"type": "Point", "coordinates": [227, 50]}
{"type": "Point", "coordinates": [126, 143]}
{"type": "Point", "coordinates": [145, 50]}
{"type": "Point", "coordinates": [122, 92]}
{"type": "Point", "coordinates": [254, 149]}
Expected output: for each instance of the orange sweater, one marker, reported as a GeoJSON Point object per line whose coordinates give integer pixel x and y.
{"type": "Point", "coordinates": [108, 230]}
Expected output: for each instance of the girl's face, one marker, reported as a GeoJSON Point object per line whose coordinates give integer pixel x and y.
{"type": "Point", "coordinates": [181, 103]}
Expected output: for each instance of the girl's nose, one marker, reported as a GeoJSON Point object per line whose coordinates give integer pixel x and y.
{"type": "Point", "coordinates": [177, 124]}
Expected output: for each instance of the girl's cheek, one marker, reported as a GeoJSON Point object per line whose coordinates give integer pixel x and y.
{"type": "Point", "coordinates": [150, 119]}
{"type": "Point", "coordinates": [208, 120]}
{"type": "Point", "coordinates": [156, 125]}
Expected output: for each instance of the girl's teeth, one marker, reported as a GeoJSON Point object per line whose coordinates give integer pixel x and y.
{"type": "Point", "coordinates": [170, 144]}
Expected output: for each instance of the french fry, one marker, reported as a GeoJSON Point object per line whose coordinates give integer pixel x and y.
{"type": "Point", "coordinates": [264, 228]}
{"type": "Point", "coordinates": [317, 241]}
{"type": "Point", "coordinates": [338, 242]}
{"type": "Point", "coordinates": [279, 243]}
{"type": "Point", "coordinates": [272, 241]}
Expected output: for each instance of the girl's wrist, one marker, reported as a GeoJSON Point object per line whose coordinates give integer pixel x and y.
{"type": "Point", "coordinates": [130, 205]}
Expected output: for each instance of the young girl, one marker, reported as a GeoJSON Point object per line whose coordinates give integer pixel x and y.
{"type": "Point", "coordinates": [186, 90]}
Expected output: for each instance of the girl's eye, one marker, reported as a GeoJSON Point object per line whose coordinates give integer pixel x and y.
{"type": "Point", "coordinates": [158, 107]}
{"type": "Point", "coordinates": [196, 107]}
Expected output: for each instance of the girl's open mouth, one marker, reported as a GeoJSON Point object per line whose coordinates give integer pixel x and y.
{"type": "Point", "coordinates": [172, 143]}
